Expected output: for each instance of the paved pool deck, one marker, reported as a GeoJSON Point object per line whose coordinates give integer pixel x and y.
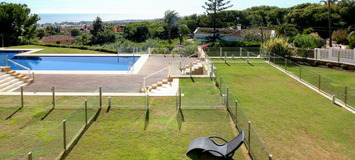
{"type": "Point", "coordinates": [113, 83]}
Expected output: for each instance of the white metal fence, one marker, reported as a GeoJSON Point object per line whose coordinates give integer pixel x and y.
{"type": "Point", "coordinates": [335, 55]}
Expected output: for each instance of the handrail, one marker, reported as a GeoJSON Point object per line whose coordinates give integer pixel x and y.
{"type": "Point", "coordinates": [152, 75]}
{"type": "Point", "coordinates": [18, 64]}
{"type": "Point", "coordinates": [29, 70]}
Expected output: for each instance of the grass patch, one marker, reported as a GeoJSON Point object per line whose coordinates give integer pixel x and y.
{"type": "Point", "coordinates": [344, 77]}
{"type": "Point", "coordinates": [124, 131]}
{"type": "Point", "coordinates": [293, 121]}
{"type": "Point", "coordinates": [56, 50]}
{"type": "Point", "coordinates": [26, 129]}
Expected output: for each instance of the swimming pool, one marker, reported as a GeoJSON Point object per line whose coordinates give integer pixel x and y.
{"type": "Point", "coordinates": [68, 63]}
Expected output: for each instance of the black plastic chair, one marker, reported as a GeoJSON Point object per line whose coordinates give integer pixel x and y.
{"type": "Point", "coordinates": [206, 144]}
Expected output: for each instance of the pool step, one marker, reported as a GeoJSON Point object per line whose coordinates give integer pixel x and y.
{"type": "Point", "coordinates": [5, 69]}
{"type": "Point", "coordinates": [11, 80]}
{"type": "Point", "coordinates": [158, 84]}
{"type": "Point", "coordinates": [196, 68]}
{"type": "Point", "coordinates": [168, 89]}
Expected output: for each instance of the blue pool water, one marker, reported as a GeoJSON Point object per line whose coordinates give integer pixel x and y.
{"type": "Point", "coordinates": [70, 63]}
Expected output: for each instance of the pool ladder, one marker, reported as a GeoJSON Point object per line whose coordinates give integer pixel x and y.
{"type": "Point", "coordinates": [130, 66]}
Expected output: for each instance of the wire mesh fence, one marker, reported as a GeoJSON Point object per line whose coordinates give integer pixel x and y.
{"type": "Point", "coordinates": [325, 84]}
{"type": "Point", "coordinates": [191, 97]}
{"type": "Point", "coordinates": [230, 52]}
{"type": "Point", "coordinates": [78, 114]}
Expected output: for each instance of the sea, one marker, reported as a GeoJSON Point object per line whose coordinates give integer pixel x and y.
{"type": "Point", "coordinates": [59, 18]}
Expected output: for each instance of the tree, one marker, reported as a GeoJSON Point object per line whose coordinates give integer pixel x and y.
{"type": "Point", "coordinates": [17, 25]}
{"type": "Point", "coordinates": [98, 26]}
{"type": "Point", "coordinates": [101, 34]}
{"type": "Point", "coordinates": [83, 39]}
{"type": "Point", "coordinates": [328, 2]}
{"type": "Point", "coordinates": [170, 17]}
{"type": "Point", "coordinates": [212, 7]}
{"type": "Point", "coordinates": [75, 32]}
{"type": "Point", "coordinates": [286, 29]}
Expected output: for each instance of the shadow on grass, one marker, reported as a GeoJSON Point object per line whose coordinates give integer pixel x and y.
{"type": "Point", "coordinates": [196, 155]}
{"type": "Point", "coordinates": [13, 113]}
{"type": "Point", "coordinates": [47, 113]}
{"type": "Point", "coordinates": [146, 119]}
{"type": "Point", "coordinates": [251, 64]}
{"type": "Point", "coordinates": [180, 118]}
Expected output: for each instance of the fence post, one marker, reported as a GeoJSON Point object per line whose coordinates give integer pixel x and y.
{"type": "Point", "coordinates": [319, 78]}
{"type": "Point", "coordinates": [109, 104]}
{"type": "Point", "coordinates": [86, 111]}
{"type": "Point", "coordinates": [53, 96]}
{"type": "Point", "coordinates": [64, 135]}
{"type": "Point", "coordinates": [249, 147]}
{"type": "Point", "coordinates": [211, 74]}
{"type": "Point", "coordinates": [338, 56]}
{"type": "Point", "coordinates": [269, 56]}
{"type": "Point", "coordinates": [333, 98]}
{"type": "Point", "coordinates": [7, 61]}
{"type": "Point", "coordinates": [285, 64]}
{"type": "Point", "coordinates": [100, 94]}
{"type": "Point", "coordinates": [220, 52]}
{"type": "Point", "coordinates": [270, 157]}
{"type": "Point", "coordinates": [227, 96]}
{"type": "Point", "coordinates": [236, 111]}
{"type": "Point", "coordinates": [220, 85]}
{"type": "Point", "coordinates": [180, 98]}
{"type": "Point", "coordinates": [190, 69]}
{"type": "Point", "coordinates": [346, 95]}
{"type": "Point", "coordinates": [248, 57]}
{"type": "Point", "coordinates": [29, 156]}
{"type": "Point", "coordinates": [146, 99]}
{"type": "Point", "coordinates": [22, 103]}
{"type": "Point", "coordinates": [33, 76]}
{"type": "Point", "coordinates": [274, 59]}
{"type": "Point", "coordinates": [315, 53]}
{"type": "Point", "coordinates": [240, 51]}
{"type": "Point", "coordinates": [169, 69]}
{"type": "Point", "coordinates": [300, 72]}
{"type": "Point", "coordinates": [225, 57]}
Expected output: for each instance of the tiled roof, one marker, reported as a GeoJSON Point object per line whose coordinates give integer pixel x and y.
{"type": "Point", "coordinates": [57, 38]}
{"type": "Point", "coordinates": [225, 32]}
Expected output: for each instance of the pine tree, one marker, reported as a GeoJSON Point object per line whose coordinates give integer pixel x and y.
{"type": "Point", "coordinates": [212, 7]}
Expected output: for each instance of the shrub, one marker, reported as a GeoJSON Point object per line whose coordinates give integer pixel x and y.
{"type": "Point", "coordinates": [340, 36]}
{"type": "Point", "coordinates": [307, 41]}
{"type": "Point", "coordinates": [330, 65]}
{"type": "Point", "coordinates": [278, 46]}
{"type": "Point", "coordinates": [234, 44]}
{"type": "Point", "coordinates": [345, 67]}
{"type": "Point", "coordinates": [189, 50]}
{"type": "Point", "coordinates": [351, 40]}
{"type": "Point", "coordinates": [316, 63]}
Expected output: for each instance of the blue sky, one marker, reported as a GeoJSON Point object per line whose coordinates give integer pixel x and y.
{"type": "Point", "coordinates": [141, 8]}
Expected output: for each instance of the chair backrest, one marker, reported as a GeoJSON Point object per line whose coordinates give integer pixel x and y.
{"type": "Point", "coordinates": [234, 144]}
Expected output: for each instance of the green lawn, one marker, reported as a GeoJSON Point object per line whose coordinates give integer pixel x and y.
{"type": "Point", "coordinates": [125, 132]}
{"type": "Point", "coordinates": [293, 121]}
{"type": "Point", "coordinates": [56, 50]}
{"type": "Point", "coordinates": [25, 130]}
{"type": "Point", "coordinates": [345, 77]}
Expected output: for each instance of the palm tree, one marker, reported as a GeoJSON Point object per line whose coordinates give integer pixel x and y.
{"type": "Point", "coordinates": [170, 17]}
{"type": "Point", "coordinates": [286, 29]}
{"type": "Point", "coordinates": [329, 2]}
